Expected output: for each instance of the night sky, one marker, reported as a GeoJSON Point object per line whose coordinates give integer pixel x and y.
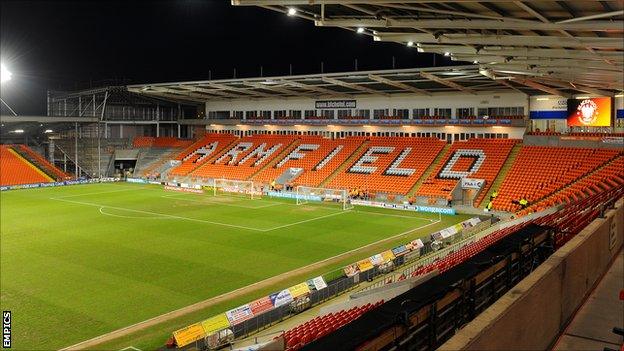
{"type": "Point", "coordinates": [69, 45]}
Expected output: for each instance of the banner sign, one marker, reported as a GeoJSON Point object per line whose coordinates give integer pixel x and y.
{"type": "Point", "coordinates": [405, 207]}
{"type": "Point", "coordinates": [215, 323]}
{"type": "Point", "coordinates": [184, 190]}
{"type": "Point", "coordinates": [55, 184]}
{"type": "Point", "coordinates": [281, 298]}
{"type": "Point", "coordinates": [399, 251]}
{"type": "Point", "coordinates": [352, 270]}
{"type": "Point", "coordinates": [387, 256]}
{"type": "Point", "coordinates": [261, 305]}
{"type": "Point", "coordinates": [136, 180]}
{"type": "Point", "coordinates": [365, 265]}
{"type": "Point", "coordinates": [331, 104]}
{"type": "Point", "coordinates": [239, 314]}
{"type": "Point", "coordinates": [469, 183]}
{"type": "Point", "coordinates": [319, 283]}
{"type": "Point", "coordinates": [189, 334]}
{"type": "Point", "coordinates": [414, 245]}
{"type": "Point", "coordinates": [299, 290]}
{"type": "Point", "coordinates": [376, 260]}
{"type": "Point", "coordinates": [289, 195]}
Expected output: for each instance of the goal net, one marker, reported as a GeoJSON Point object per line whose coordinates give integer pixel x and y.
{"type": "Point", "coordinates": [242, 188]}
{"type": "Point", "coordinates": [306, 194]}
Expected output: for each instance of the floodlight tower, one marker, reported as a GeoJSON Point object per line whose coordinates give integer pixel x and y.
{"type": "Point", "coordinates": [5, 76]}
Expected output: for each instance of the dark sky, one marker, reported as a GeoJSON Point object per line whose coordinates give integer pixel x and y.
{"type": "Point", "coordinates": [73, 44]}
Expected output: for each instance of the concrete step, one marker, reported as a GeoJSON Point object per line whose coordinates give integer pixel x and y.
{"type": "Point", "coordinates": [513, 154]}
{"type": "Point", "coordinates": [429, 170]}
{"type": "Point", "coordinates": [357, 153]}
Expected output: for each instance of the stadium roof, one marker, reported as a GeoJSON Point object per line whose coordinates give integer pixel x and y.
{"type": "Point", "coordinates": [426, 81]}
{"type": "Point", "coordinates": [535, 43]}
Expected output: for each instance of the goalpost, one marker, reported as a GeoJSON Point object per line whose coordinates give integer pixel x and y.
{"type": "Point", "coordinates": [243, 188]}
{"type": "Point", "coordinates": [307, 194]}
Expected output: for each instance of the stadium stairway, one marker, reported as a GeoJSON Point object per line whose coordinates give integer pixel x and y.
{"type": "Point", "coordinates": [501, 175]}
{"type": "Point", "coordinates": [40, 162]}
{"type": "Point", "coordinates": [287, 150]}
{"type": "Point", "coordinates": [150, 159]}
{"type": "Point", "coordinates": [348, 162]}
{"type": "Point", "coordinates": [189, 166]}
{"type": "Point", "coordinates": [429, 170]}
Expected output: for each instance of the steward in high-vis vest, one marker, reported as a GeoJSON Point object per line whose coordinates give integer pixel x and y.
{"type": "Point", "coordinates": [523, 203]}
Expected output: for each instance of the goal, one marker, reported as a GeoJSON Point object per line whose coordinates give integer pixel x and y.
{"type": "Point", "coordinates": [242, 188]}
{"type": "Point", "coordinates": [306, 194]}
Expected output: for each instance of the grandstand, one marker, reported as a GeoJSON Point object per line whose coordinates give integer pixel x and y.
{"type": "Point", "coordinates": [395, 209]}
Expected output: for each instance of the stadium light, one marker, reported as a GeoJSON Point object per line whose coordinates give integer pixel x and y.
{"type": "Point", "coordinates": [447, 54]}
{"type": "Point", "coordinates": [5, 75]}
{"type": "Point", "coordinates": [292, 11]}
{"type": "Point", "coordinates": [410, 43]}
{"type": "Point", "coordinates": [360, 30]}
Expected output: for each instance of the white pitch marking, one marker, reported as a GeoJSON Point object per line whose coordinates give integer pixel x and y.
{"type": "Point", "coordinates": [130, 217]}
{"type": "Point", "coordinates": [208, 202]}
{"type": "Point", "coordinates": [130, 348]}
{"type": "Point", "coordinates": [394, 215]}
{"type": "Point", "coordinates": [306, 220]}
{"type": "Point", "coordinates": [100, 192]}
{"type": "Point", "coordinates": [163, 214]}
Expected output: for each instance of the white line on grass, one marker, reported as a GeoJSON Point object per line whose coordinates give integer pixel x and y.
{"type": "Point", "coordinates": [306, 220]}
{"type": "Point", "coordinates": [197, 219]}
{"type": "Point", "coordinates": [162, 214]}
{"type": "Point", "coordinates": [209, 202]}
{"type": "Point", "coordinates": [100, 192]}
{"type": "Point", "coordinates": [208, 302]}
{"type": "Point", "coordinates": [394, 215]}
{"type": "Point", "coordinates": [130, 217]}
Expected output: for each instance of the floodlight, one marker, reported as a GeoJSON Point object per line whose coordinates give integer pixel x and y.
{"type": "Point", "coordinates": [5, 75]}
{"type": "Point", "coordinates": [18, 131]}
{"type": "Point", "coordinates": [447, 54]}
{"type": "Point", "coordinates": [410, 43]}
{"type": "Point", "coordinates": [360, 30]}
{"type": "Point", "coordinates": [48, 131]}
{"type": "Point", "coordinates": [292, 11]}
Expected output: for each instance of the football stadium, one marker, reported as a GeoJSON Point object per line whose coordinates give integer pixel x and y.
{"type": "Point", "coordinates": [471, 202]}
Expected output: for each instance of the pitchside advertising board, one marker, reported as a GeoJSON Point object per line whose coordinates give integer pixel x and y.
{"type": "Point", "coordinates": [590, 112]}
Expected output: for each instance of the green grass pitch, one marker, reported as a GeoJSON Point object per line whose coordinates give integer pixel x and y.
{"type": "Point", "coordinates": [81, 261]}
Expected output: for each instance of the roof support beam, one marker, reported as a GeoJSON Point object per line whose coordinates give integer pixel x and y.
{"type": "Point", "coordinates": [588, 26]}
{"type": "Point", "coordinates": [353, 86]}
{"type": "Point", "coordinates": [578, 87]}
{"type": "Point", "coordinates": [532, 84]}
{"type": "Point", "coordinates": [276, 89]}
{"type": "Point", "coordinates": [488, 73]}
{"type": "Point", "coordinates": [249, 93]}
{"type": "Point", "coordinates": [396, 84]}
{"type": "Point", "coordinates": [504, 40]}
{"type": "Point", "coordinates": [523, 52]}
{"type": "Point", "coordinates": [213, 92]}
{"type": "Point", "coordinates": [314, 88]}
{"type": "Point", "coordinates": [448, 83]}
